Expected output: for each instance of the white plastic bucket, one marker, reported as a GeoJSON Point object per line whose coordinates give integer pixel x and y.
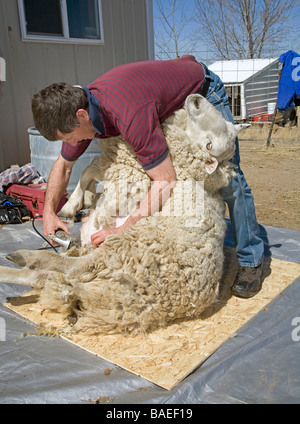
{"type": "Point", "coordinates": [271, 108]}
{"type": "Point", "coordinates": [44, 153]}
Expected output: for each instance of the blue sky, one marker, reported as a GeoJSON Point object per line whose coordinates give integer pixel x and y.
{"type": "Point", "coordinates": [290, 40]}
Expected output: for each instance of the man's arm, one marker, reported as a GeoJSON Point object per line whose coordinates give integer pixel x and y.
{"type": "Point", "coordinates": [164, 180]}
{"type": "Point", "coordinates": [56, 187]}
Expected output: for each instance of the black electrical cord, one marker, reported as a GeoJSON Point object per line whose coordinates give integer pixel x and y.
{"type": "Point", "coordinates": [39, 216]}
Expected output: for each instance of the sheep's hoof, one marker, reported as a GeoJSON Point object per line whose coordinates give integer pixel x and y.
{"type": "Point", "coordinates": [16, 258]}
{"type": "Point", "coordinates": [72, 318]}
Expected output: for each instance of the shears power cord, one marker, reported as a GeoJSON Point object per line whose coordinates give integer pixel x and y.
{"type": "Point", "coordinates": [41, 235]}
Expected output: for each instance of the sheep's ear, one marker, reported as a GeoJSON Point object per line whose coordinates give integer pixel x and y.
{"type": "Point", "coordinates": [241, 127]}
{"type": "Point", "coordinates": [211, 165]}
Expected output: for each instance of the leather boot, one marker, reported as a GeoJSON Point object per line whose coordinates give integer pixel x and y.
{"type": "Point", "coordinates": [248, 281]}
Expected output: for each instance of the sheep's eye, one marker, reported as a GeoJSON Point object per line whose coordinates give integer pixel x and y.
{"type": "Point", "coordinates": [209, 146]}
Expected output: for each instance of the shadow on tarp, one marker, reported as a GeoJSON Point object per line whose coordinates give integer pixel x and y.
{"type": "Point", "coordinates": [263, 233]}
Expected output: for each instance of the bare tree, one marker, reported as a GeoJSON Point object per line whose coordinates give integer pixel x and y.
{"type": "Point", "coordinates": [174, 38]}
{"type": "Point", "coordinates": [243, 29]}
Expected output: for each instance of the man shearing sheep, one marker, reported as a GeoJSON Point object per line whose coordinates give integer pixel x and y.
{"type": "Point", "coordinates": [132, 100]}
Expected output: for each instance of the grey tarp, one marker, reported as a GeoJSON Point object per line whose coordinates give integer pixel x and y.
{"type": "Point", "coordinates": [259, 365]}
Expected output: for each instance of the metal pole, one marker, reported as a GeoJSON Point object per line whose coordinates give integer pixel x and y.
{"type": "Point", "coordinates": [275, 112]}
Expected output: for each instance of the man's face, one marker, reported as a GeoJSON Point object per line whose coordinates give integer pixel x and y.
{"type": "Point", "coordinates": [83, 132]}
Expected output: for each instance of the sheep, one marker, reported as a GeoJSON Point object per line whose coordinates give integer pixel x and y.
{"type": "Point", "coordinates": [167, 266]}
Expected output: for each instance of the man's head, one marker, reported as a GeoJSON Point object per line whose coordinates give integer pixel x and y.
{"type": "Point", "coordinates": [59, 110]}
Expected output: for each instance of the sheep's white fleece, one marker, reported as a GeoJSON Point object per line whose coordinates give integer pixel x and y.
{"type": "Point", "coordinates": [161, 269]}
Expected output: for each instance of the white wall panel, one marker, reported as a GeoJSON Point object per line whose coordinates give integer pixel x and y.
{"type": "Point", "coordinates": [31, 66]}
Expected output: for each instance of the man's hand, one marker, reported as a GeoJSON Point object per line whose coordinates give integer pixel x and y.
{"type": "Point", "coordinates": [51, 223]}
{"type": "Point", "coordinates": [56, 186]}
{"type": "Point", "coordinates": [99, 237]}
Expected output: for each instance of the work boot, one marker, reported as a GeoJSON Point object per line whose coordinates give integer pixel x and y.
{"type": "Point", "coordinates": [248, 281]}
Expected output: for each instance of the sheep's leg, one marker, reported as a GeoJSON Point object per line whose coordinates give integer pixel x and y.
{"type": "Point", "coordinates": [48, 263]}
{"type": "Point", "coordinates": [76, 199]}
{"type": "Point", "coordinates": [89, 195]}
{"type": "Point", "coordinates": [94, 172]}
{"type": "Point", "coordinates": [36, 259]}
{"type": "Point", "coordinates": [26, 277]}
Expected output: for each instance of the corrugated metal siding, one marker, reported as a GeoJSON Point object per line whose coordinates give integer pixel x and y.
{"type": "Point", "coordinates": [238, 71]}
{"type": "Point", "coordinates": [31, 66]}
{"type": "Point", "coordinates": [261, 89]}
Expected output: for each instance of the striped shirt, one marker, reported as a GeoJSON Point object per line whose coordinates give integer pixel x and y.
{"type": "Point", "coordinates": [134, 99]}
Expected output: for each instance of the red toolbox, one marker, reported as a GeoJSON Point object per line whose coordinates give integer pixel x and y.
{"type": "Point", "coordinates": [33, 196]}
{"type": "Point", "coordinates": [263, 117]}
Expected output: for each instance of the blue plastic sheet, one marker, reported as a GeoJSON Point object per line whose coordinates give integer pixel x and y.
{"type": "Point", "coordinates": [289, 84]}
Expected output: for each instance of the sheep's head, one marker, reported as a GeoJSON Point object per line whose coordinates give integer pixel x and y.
{"type": "Point", "coordinates": [207, 128]}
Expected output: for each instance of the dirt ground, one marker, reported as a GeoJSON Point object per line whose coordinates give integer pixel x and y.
{"type": "Point", "coordinates": [273, 174]}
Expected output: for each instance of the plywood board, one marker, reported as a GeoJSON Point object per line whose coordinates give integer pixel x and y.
{"type": "Point", "coordinates": [166, 356]}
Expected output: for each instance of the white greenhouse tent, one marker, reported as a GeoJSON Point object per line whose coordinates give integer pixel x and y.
{"type": "Point", "coordinates": [251, 85]}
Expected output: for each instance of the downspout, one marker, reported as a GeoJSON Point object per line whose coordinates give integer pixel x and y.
{"type": "Point", "coordinates": [150, 29]}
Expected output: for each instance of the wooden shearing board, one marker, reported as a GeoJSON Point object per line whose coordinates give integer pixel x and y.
{"type": "Point", "coordinates": [166, 356]}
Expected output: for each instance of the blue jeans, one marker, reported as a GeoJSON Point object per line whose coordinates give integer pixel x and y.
{"type": "Point", "coordinates": [237, 195]}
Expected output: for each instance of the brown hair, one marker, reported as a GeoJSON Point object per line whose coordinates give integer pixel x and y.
{"type": "Point", "coordinates": [54, 108]}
